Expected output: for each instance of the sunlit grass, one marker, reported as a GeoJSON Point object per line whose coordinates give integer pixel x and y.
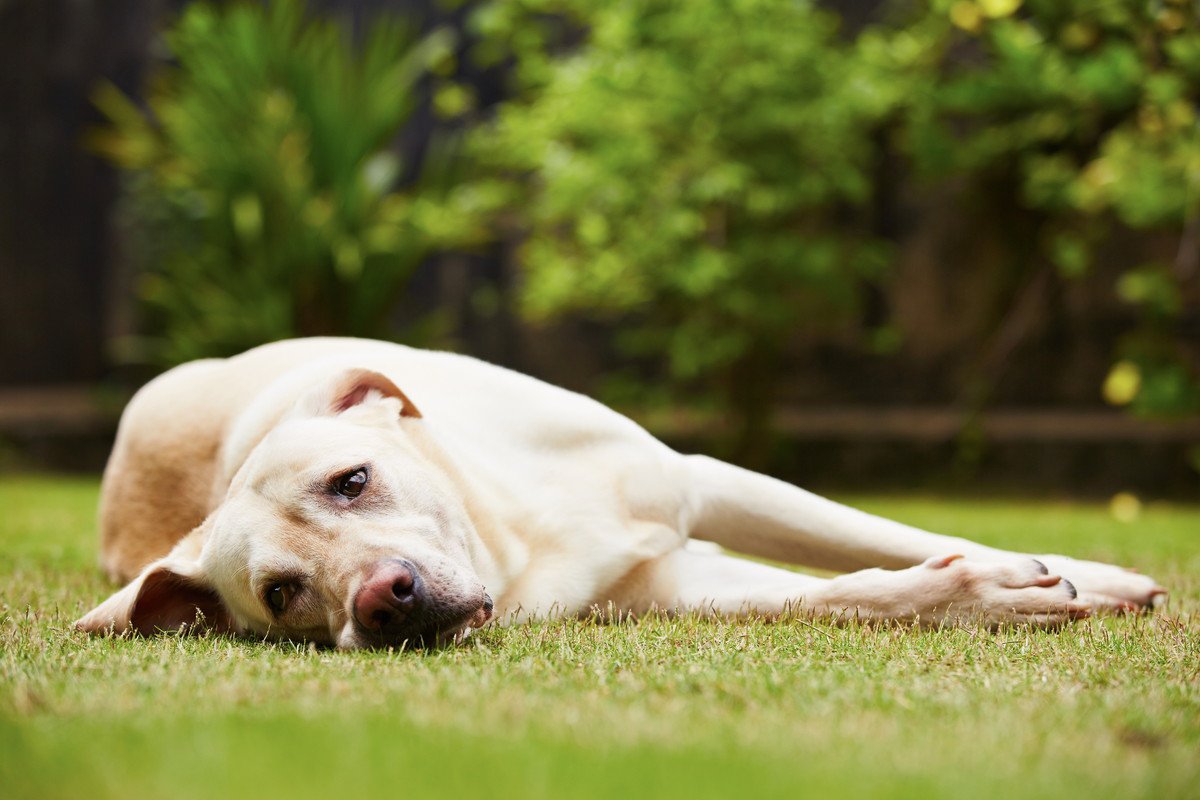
{"type": "Point", "coordinates": [662, 708]}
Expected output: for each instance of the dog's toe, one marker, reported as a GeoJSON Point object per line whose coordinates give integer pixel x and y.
{"type": "Point", "coordinates": [1107, 587]}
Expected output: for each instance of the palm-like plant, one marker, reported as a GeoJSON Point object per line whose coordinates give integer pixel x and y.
{"type": "Point", "coordinates": [265, 181]}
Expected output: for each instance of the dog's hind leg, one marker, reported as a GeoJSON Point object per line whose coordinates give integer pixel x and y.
{"type": "Point", "coordinates": [759, 515]}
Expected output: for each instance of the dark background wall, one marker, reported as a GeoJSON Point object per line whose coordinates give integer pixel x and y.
{"type": "Point", "coordinates": [58, 260]}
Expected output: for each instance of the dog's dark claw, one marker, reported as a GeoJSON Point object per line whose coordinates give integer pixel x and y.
{"type": "Point", "coordinates": [1041, 567]}
{"type": "Point", "coordinates": [1070, 588]}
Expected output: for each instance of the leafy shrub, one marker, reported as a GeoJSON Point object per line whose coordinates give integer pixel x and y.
{"type": "Point", "coordinates": [700, 171]}
{"type": "Point", "coordinates": [265, 181]}
{"type": "Point", "coordinates": [693, 171]}
{"type": "Point", "coordinates": [1093, 107]}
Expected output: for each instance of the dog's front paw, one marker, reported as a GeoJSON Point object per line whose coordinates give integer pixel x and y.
{"type": "Point", "coordinates": [1019, 591]}
{"type": "Point", "coordinates": [1107, 587]}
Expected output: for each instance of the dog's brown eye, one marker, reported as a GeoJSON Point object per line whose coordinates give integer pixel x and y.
{"type": "Point", "coordinates": [279, 595]}
{"type": "Point", "coordinates": [351, 484]}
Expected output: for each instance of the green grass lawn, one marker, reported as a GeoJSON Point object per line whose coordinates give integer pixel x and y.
{"type": "Point", "coordinates": [664, 708]}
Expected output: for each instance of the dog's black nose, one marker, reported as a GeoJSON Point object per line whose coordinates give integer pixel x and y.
{"type": "Point", "coordinates": [391, 595]}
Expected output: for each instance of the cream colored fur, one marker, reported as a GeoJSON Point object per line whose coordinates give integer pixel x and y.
{"type": "Point", "coordinates": [494, 483]}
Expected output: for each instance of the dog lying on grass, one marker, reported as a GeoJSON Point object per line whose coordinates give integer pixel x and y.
{"type": "Point", "coordinates": [364, 494]}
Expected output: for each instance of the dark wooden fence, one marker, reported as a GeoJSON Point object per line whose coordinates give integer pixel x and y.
{"type": "Point", "coordinates": [59, 271]}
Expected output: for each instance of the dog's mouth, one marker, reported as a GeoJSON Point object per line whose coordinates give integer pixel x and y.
{"type": "Point", "coordinates": [456, 633]}
{"type": "Point", "coordinates": [442, 627]}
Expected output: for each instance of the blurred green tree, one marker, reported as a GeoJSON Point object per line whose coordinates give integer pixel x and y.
{"type": "Point", "coordinates": [694, 171]}
{"type": "Point", "coordinates": [700, 172]}
{"type": "Point", "coordinates": [1092, 109]}
{"type": "Point", "coordinates": [264, 183]}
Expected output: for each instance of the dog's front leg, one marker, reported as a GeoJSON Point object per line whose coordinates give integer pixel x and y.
{"type": "Point", "coordinates": [943, 590]}
{"type": "Point", "coordinates": [762, 516]}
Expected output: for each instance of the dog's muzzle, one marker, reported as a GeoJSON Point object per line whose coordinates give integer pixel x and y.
{"type": "Point", "coordinates": [394, 605]}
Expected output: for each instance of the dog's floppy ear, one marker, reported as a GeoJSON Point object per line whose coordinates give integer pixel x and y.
{"type": "Point", "coordinates": [353, 387]}
{"type": "Point", "coordinates": [169, 595]}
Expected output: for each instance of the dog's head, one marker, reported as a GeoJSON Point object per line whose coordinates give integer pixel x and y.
{"type": "Point", "coordinates": [336, 528]}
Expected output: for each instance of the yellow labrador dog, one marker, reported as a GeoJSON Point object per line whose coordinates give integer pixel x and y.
{"type": "Point", "coordinates": [360, 494]}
